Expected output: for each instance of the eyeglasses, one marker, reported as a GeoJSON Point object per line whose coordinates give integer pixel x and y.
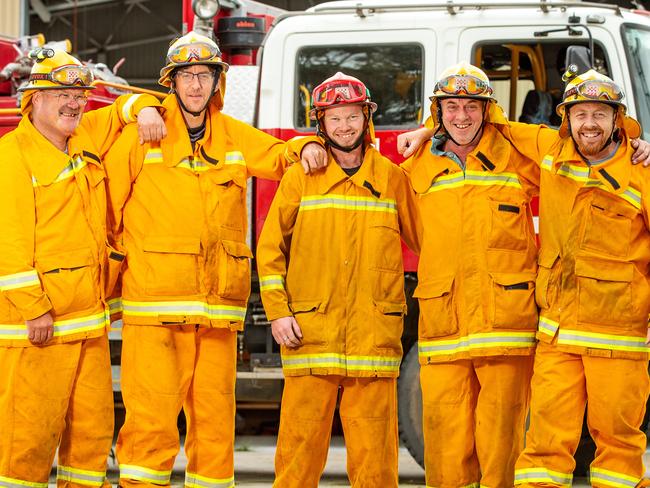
{"type": "Point", "coordinates": [467, 84]}
{"type": "Point", "coordinates": [198, 51]}
{"type": "Point", "coordinates": [65, 98]}
{"type": "Point", "coordinates": [596, 90]}
{"type": "Point", "coordinates": [349, 91]}
{"type": "Point", "coordinates": [187, 77]}
{"type": "Point", "coordinates": [71, 75]}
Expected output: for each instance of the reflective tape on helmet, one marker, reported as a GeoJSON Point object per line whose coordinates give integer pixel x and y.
{"type": "Point", "coordinates": [183, 308]}
{"type": "Point", "coordinates": [80, 476]}
{"type": "Point", "coordinates": [6, 482]}
{"type": "Point", "coordinates": [19, 280]}
{"type": "Point", "coordinates": [62, 328]}
{"type": "Point", "coordinates": [542, 475]}
{"type": "Point", "coordinates": [193, 480]}
{"type": "Point", "coordinates": [345, 202]}
{"type": "Point", "coordinates": [612, 478]}
{"type": "Point", "coordinates": [140, 473]}
{"type": "Point", "coordinates": [483, 340]}
{"type": "Point", "coordinates": [474, 178]}
{"type": "Point", "coordinates": [272, 282]}
{"type": "Point", "coordinates": [340, 361]}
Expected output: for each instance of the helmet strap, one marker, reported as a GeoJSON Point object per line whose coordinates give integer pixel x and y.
{"type": "Point", "coordinates": [321, 133]}
{"type": "Point", "coordinates": [614, 135]}
{"type": "Point", "coordinates": [215, 80]}
{"type": "Point", "coordinates": [448, 135]}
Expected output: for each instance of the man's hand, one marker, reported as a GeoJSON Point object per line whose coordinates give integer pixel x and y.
{"type": "Point", "coordinates": [409, 142]}
{"type": "Point", "coordinates": [41, 329]}
{"type": "Point", "coordinates": [286, 332]}
{"type": "Point", "coordinates": [313, 157]}
{"type": "Point", "coordinates": [151, 126]}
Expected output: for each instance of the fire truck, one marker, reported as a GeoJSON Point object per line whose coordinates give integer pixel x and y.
{"type": "Point", "coordinates": [397, 48]}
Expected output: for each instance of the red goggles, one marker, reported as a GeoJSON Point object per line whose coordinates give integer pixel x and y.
{"type": "Point", "coordinates": [345, 91]}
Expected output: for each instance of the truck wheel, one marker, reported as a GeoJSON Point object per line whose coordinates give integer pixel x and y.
{"type": "Point", "coordinates": [409, 396]}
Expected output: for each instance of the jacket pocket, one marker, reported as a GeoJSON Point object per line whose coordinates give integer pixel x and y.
{"type": "Point", "coordinates": [385, 245]}
{"type": "Point", "coordinates": [114, 262]}
{"type": "Point", "coordinates": [310, 316]}
{"type": "Point", "coordinates": [607, 226]}
{"type": "Point", "coordinates": [234, 271]}
{"type": "Point", "coordinates": [389, 325]}
{"type": "Point", "coordinates": [546, 282]}
{"type": "Point", "coordinates": [605, 292]}
{"type": "Point", "coordinates": [437, 315]}
{"type": "Point", "coordinates": [171, 265]}
{"type": "Point", "coordinates": [513, 301]}
{"type": "Point", "coordinates": [508, 226]}
{"type": "Point", "coordinates": [70, 280]}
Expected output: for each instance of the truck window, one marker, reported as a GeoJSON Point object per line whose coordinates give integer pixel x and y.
{"type": "Point", "coordinates": [392, 73]}
{"type": "Point", "coordinates": [637, 46]}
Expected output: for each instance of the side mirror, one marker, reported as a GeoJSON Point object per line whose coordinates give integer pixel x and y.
{"type": "Point", "coordinates": [579, 56]}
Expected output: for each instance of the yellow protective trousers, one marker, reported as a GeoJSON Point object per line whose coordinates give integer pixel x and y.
{"type": "Point", "coordinates": [56, 396]}
{"type": "Point", "coordinates": [164, 369]}
{"type": "Point", "coordinates": [474, 414]}
{"type": "Point", "coordinates": [615, 390]}
{"type": "Point", "coordinates": [368, 411]}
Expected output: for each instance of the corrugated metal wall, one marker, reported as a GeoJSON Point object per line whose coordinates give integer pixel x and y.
{"type": "Point", "coordinates": [10, 17]}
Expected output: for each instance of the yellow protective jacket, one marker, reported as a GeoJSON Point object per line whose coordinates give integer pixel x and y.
{"type": "Point", "coordinates": [180, 216]}
{"type": "Point", "coordinates": [477, 267]}
{"type": "Point", "coordinates": [53, 251]}
{"type": "Point", "coordinates": [592, 284]}
{"type": "Point", "coordinates": [330, 255]}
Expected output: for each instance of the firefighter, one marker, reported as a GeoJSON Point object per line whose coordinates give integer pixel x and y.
{"type": "Point", "coordinates": [476, 280]}
{"type": "Point", "coordinates": [55, 390]}
{"type": "Point", "coordinates": [332, 283]}
{"type": "Point", "coordinates": [592, 290]}
{"type": "Point", "coordinates": [178, 212]}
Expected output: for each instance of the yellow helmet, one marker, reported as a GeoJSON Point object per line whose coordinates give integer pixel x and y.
{"type": "Point", "coordinates": [593, 86]}
{"type": "Point", "coordinates": [56, 69]}
{"type": "Point", "coordinates": [191, 49]}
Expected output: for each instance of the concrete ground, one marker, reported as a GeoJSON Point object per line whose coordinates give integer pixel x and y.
{"type": "Point", "coordinates": [254, 465]}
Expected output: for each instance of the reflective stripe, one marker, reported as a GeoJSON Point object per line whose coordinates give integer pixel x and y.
{"type": "Point", "coordinates": [15, 483]}
{"type": "Point", "coordinates": [542, 475]}
{"type": "Point", "coordinates": [235, 157]}
{"type": "Point", "coordinates": [150, 309]}
{"type": "Point", "coordinates": [193, 480]}
{"type": "Point", "coordinates": [139, 473]}
{"type": "Point", "coordinates": [81, 476]}
{"type": "Point", "coordinates": [19, 280]}
{"type": "Point", "coordinates": [74, 166]}
{"type": "Point", "coordinates": [602, 341]}
{"type": "Point", "coordinates": [547, 162]}
{"type": "Point", "coordinates": [153, 156]}
{"type": "Point", "coordinates": [272, 282]}
{"type": "Point", "coordinates": [62, 328]}
{"type": "Point", "coordinates": [114, 305]}
{"type": "Point", "coordinates": [474, 178]}
{"type": "Point", "coordinates": [126, 109]}
{"type": "Point", "coordinates": [340, 361]}
{"type": "Point", "coordinates": [344, 202]}
{"type": "Point", "coordinates": [471, 485]}
{"type": "Point", "coordinates": [476, 341]}
{"type": "Point", "coordinates": [547, 326]}
{"type": "Point", "coordinates": [573, 172]}
{"type": "Point", "coordinates": [193, 164]}
{"type": "Point", "coordinates": [612, 478]}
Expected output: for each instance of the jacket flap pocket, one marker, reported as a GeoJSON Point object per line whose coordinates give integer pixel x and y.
{"type": "Point", "coordinates": [237, 249]}
{"type": "Point", "coordinates": [307, 306]}
{"type": "Point", "coordinates": [172, 244]}
{"type": "Point", "coordinates": [391, 308]}
{"type": "Point", "coordinates": [434, 288]}
{"type": "Point", "coordinates": [514, 281]}
{"type": "Point", "coordinates": [76, 258]}
{"type": "Point", "coordinates": [547, 257]}
{"type": "Point", "coordinates": [600, 269]}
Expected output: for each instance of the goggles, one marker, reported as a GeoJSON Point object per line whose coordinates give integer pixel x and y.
{"type": "Point", "coordinates": [71, 75]}
{"type": "Point", "coordinates": [346, 91]}
{"type": "Point", "coordinates": [467, 84]}
{"type": "Point", "coordinates": [596, 90]}
{"type": "Point", "coordinates": [198, 51]}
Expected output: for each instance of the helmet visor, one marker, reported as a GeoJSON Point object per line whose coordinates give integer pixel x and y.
{"type": "Point", "coordinates": [71, 75]}
{"type": "Point", "coordinates": [342, 91]}
{"type": "Point", "coordinates": [596, 90]}
{"type": "Point", "coordinates": [463, 84]}
{"type": "Point", "coordinates": [197, 51]}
